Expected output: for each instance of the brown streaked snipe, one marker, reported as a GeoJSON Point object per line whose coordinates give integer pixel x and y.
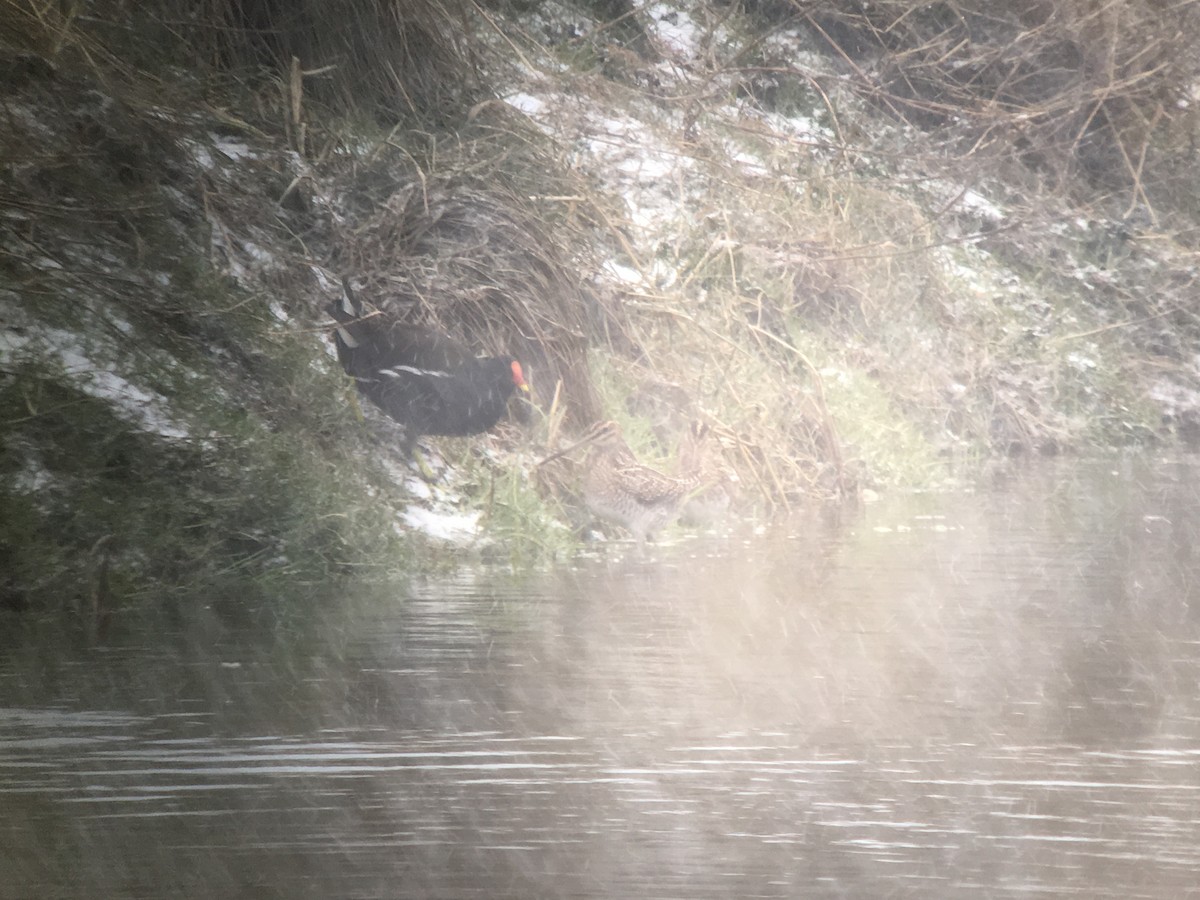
{"type": "Point", "coordinates": [618, 488]}
{"type": "Point", "coordinates": [699, 454]}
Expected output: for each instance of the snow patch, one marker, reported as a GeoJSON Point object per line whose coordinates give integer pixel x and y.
{"type": "Point", "coordinates": [1175, 398]}
{"type": "Point", "coordinates": [639, 149]}
{"type": "Point", "coordinates": [142, 409]}
{"type": "Point", "coordinates": [677, 34]}
{"type": "Point", "coordinates": [32, 478]}
{"type": "Point", "coordinates": [982, 206]}
{"type": "Point", "coordinates": [1079, 362]}
{"type": "Point", "coordinates": [417, 487]}
{"type": "Point", "coordinates": [235, 150]}
{"type": "Point", "coordinates": [260, 255]}
{"type": "Point", "coordinates": [454, 527]}
{"type": "Point", "coordinates": [202, 157]}
{"type": "Point", "coordinates": [623, 274]}
{"type": "Point", "coordinates": [526, 103]}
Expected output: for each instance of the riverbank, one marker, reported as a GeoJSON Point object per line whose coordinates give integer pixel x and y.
{"type": "Point", "coordinates": [858, 277]}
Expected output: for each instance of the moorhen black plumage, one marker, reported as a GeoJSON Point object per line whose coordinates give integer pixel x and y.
{"type": "Point", "coordinates": [423, 379]}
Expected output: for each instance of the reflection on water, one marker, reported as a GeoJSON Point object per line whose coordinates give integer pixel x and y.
{"type": "Point", "coordinates": [990, 694]}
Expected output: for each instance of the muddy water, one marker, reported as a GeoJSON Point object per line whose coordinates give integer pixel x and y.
{"type": "Point", "coordinates": [985, 694]}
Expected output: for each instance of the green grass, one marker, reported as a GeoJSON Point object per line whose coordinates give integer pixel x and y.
{"type": "Point", "coordinates": [247, 504]}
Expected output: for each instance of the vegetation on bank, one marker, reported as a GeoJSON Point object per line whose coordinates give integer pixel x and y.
{"type": "Point", "coordinates": [859, 242]}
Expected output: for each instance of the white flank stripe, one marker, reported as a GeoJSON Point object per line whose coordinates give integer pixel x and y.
{"type": "Point", "coordinates": [395, 371]}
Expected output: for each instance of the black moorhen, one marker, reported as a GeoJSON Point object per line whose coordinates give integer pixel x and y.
{"type": "Point", "coordinates": [423, 379]}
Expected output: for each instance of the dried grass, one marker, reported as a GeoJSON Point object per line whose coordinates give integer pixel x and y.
{"type": "Point", "coordinates": [481, 263]}
{"type": "Point", "coordinates": [446, 209]}
{"type": "Point", "coordinates": [1079, 86]}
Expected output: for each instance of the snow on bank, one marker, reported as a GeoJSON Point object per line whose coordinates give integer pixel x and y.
{"type": "Point", "coordinates": [434, 510]}
{"type": "Point", "coordinates": [143, 409]}
{"type": "Point", "coordinates": [455, 527]}
{"type": "Point", "coordinates": [640, 146]}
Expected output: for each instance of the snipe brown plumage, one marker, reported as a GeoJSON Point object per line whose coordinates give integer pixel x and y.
{"type": "Point", "coordinates": [618, 488]}
{"type": "Point", "coordinates": [699, 454]}
{"type": "Point", "coordinates": [422, 378]}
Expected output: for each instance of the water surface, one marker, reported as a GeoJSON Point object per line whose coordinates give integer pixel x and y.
{"type": "Point", "coordinates": [977, 694]}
